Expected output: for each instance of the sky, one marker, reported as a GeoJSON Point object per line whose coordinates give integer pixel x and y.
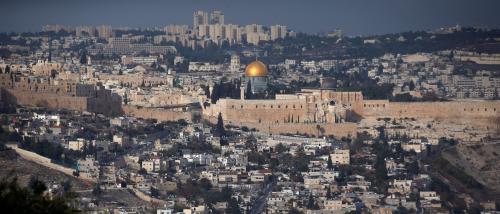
{"type": "Point", "coordinates": [354, 17]}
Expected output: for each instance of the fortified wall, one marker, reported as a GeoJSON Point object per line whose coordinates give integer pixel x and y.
{"type": "Point", "coordinates": [308, 106]}
{"type": "Point", "coordinates": [313, 112]}
{"type": "Point", "coordinates": [58, 94]}
{"type": "Point", "coordinates": [339, 130]}
{"type": "Point", "coordinates": [439, 110]}
{"type": "Point", "coordinates": [478, 116]}
{"type": "Point", "coordinates": [138, 79]}
{"type": "Point", "coordinates": [159, 114]}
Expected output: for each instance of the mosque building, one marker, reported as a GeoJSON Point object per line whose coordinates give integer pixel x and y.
{"type": "Point", "coordinates": [301, 111]}
{"type": "Point", "coordinates": [256, 77]}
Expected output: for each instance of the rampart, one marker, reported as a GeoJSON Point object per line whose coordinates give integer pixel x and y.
{"type": "Point", "coordinates": [469, 109]}
{"type": "Point", "coordinates": [34, 157]}
{"type": "Point", "coordinates": [312, 129]}
{"type": "Point", "coordinates": [159, 114]}
{"type": "Point", "coordinates": [100, 104]}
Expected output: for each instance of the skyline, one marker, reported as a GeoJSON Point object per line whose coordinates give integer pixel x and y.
{"type": "Point", "coordinates": [353, 17]}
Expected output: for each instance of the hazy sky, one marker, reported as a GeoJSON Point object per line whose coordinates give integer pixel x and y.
{"type": "Point", "coordinates": [353, 16]}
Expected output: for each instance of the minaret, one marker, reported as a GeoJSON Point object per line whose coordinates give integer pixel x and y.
{"type": "Point", "coordinates": [242, 92]}
{"type": "Point", "coordinates": [210, 88]}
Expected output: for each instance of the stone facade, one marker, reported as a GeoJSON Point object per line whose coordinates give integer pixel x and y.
{"type": "Point", "coordinates": [159, 114]}
{"type": "Point", "coordinates": [443, 110]}
{"type": "Point", "coordinates": [58, 94]}
{"type": "Point", "coordinates": [328, 112]}
{"type": "Point", "coordinates": [313, 112]}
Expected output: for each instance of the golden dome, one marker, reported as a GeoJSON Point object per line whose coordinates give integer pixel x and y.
{"type": "Point", "coordinates": [256, 69]}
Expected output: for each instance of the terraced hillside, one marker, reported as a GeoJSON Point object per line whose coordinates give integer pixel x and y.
{"type": "Point", "coordinates": [481, 161]}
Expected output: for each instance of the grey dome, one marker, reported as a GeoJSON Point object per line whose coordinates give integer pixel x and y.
{"type": "Point", "coordinates": [328, 83]}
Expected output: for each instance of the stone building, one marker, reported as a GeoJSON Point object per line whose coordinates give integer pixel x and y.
{"type": "Point", "coordinates": [325, 111]}
{"type": "Point", "coordinates": [56, 93]}
{"type": "Point", "coordinates": [256, 77]}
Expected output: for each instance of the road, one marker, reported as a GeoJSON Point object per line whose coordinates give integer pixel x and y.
{"type": "Point", "coordinates": [260, 202]}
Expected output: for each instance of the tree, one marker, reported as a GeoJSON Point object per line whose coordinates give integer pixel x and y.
{"type": "Point", "coordinates": [97, 191]}
{"type": "Point", "coordinates": [215, 95]}
{"type": "Point", "coordinates": [413, 168]}
{"type": "Point", "coordinates": [233, 207]}
{"type": "Point", "coordinates": [142, 171]}
{"type": "Point", "coordinates": [330, 164]}
{"type": "Point", "coordinates": [37, 186]}
{"type": "Point", "coordinates": [248, 90]}
{"type": "Point", "coordinates": [412, 85]}
{"type": "Point", "coordinates": [280, 148]}
{"type": "Point", "coordinates": [154, 192]}
{"type": "Point", "coordinates": [66, 185]}
{"type": "Point", "coordinates": [311, 203]}
{"type": "Point", "coordinates": [328, 193]}
{"type": "Point", "coordinates": [219, 128]}
{"type": "Point", "coordinates": [205, 184]}
{"type": "Point", "coordinates": [382, 150]}
{"type": "Point", "coordinates": [17, 199]}
{"type": "Point", "coordinates": [83, 58]}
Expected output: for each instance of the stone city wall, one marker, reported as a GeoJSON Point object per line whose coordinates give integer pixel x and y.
{"type": "Point", "coordinates": [438, 110]}
{"type": "Point", "coordinates": [482, 117]}
{"type": "Point", "coordinates": [102, 105]}
{"type": "Point", "coordinates": [159, 114]}
{"type": "Point", "coordinates": [48, 100]}
{"type": "Point", "coordinates": [263, 111]}
{"type": "Point", "coordinates": [44, 161]}
{"type": "Point", "coordinates": [338, 130]}
{"type": "Point", "coordinates": [312, 129]}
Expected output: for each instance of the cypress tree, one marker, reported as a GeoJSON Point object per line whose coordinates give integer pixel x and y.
{"type": "Point", "coordinates": [219, 128]}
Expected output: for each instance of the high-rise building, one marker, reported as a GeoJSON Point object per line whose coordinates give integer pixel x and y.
{"type": "Point", "coordinates": [233, 33]}
{"type": "Point", "coordinates": [255, 33]}
{"type": "Point", "coordinates": [234, 66]}
{"type": "Point", "coordinates": [105, 31]}
{"type": "Point", "coordinates": [278, 32]}
{"type": "Point", "coordinates": [217, 17]}
{"type": "Point", "coordinates": [200, 18]}
{"type": "Point", "coordinates": [254, 28]}
{"type": "Point", "coordinates": [217, 31]}
{"type": "Point", "coordinates": [203, 31]}
{"type": "Point", "coordinates": [85, 31]}
{"type": "Point", "coordinates": [176, 29]}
